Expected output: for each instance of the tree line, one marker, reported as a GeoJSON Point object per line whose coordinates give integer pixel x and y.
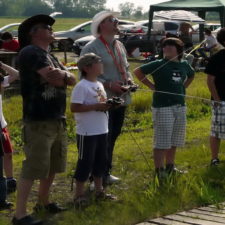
{"type": "Point", "coordinates": [72, 8]}
{"type": "Point", "coordinates": [69, 8]}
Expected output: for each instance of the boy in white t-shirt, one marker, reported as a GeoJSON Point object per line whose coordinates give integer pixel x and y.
{"type": "Point", "coordinates": [88, 102]}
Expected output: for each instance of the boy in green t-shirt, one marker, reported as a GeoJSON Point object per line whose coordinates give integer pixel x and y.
{"type": "Point", "coordinates": [171, 76]}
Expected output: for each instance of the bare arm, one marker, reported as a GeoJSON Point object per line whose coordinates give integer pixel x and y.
{"type": "Point", "coordinates": [141, 77]}
{"type": "Point", "coordinates": [13, 73]}
{"type": "Point", "coordinates": [57, 77]}
{"type": "Point", "coordinates": [188, 81]}
{"type": "Point", "coordinates": [212, 87]}
{"type": "Point", "coordinates": [77, 108]}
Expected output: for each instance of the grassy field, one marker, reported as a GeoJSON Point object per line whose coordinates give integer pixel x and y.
{"type": "Point", "coordinates": [60, 24]}
{"type": "Point", "coordinates": [140, 196]}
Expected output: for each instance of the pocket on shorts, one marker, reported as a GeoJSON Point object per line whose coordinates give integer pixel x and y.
{"type": "Point", "coordinates": [181, 113]}
{"type": "Point", "coordinates": [43, 128]}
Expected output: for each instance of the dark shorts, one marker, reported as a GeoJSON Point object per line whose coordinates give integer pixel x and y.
{"type": "Point", "coordinates": [45, 147]}
{"type": "Point", "coordinates": [92, 159]}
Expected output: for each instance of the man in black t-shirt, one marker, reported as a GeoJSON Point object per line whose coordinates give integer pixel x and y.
{"type": "Point", "coordinates": [43, 87]}
{"type": "Point", "coordinates": [215, 71]}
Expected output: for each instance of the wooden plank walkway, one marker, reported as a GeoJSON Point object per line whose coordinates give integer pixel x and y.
{"type": "Point", "coordinates": [202, 216]}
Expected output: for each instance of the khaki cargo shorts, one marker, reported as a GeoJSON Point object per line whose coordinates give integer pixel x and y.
{"type": "Point", "coordinates": [45, 147]}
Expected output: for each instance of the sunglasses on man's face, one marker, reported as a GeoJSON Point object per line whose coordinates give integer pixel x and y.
{"type": "Point", "coordinates": [43, 26]}
{"type": "Point", "coordinates": [47, 27]}
{"type": "Point", "coordinates": [113, 20]}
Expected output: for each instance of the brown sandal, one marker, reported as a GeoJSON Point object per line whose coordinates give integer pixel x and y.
{"type": "Point", "coordinates": [104, 196]}
{"type": "Point", "coordinates": [81, 202]}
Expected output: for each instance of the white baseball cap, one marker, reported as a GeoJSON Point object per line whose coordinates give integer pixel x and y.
{"type": "Point", "coordinates": [97, 19]}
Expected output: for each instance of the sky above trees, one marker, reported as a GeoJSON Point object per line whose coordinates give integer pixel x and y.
{"type": "Point", "coordinates": [113, 4]}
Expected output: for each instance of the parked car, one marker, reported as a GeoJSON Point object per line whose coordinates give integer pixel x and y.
{"type": "Point", "coordinates": [133, 28]}
{"type": "Point", "coordinates": [80, 43]}
{"type": "Point", "coordinates": [83, 29]}
{"type": "Point", "coordinates": [162, 26]}
{"type": "Point", "coordinates": [211, 26]}
{"type": "Point", "coordinates": [12, 28]}
{"type": "Point", "coordinates": [130, 41]}
{"type": "Point", "coordinates": [165, 26]}
{"type": "Point", "coordinates": [76, 32]}
{"type": "Point", "coordinates": [80, 31]}
{"type": "Point", "coordinates": [159, 29]}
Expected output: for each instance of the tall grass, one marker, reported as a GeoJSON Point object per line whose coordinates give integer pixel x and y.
{"type": "Point", "coordinates": [60, 23]}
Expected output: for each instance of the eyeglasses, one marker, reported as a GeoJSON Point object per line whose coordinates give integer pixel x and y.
{"type": "Point", "coordinates": [96, 60]}
{"type": "Point", "coordinates": [47, 27]}
{"type": "Point", "coordinates": [43, 26]}
{"type": "Point", "coordinates": [113, 20]}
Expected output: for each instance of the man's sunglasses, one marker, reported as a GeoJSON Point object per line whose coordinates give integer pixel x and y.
{"type": "Point", "coordinates": [43, 26]}
{"type": "Point", "coordinates": [113, 20]}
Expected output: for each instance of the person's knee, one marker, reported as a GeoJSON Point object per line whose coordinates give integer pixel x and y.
{"type": "Point", "coordinates": [159, 150]}
{"type": "Point", "coordinates": [83, 171]}
{"type": "Point", "coordinates": [214, 139]}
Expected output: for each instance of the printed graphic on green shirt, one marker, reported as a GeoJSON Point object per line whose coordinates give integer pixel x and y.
{"type": "Point", "coordinates": [176, 76]}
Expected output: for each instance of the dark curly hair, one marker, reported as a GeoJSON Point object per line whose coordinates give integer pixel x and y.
{"type": "Point", "coordinates": [6, 36]}
{"type": "Point", "coordinates": [177, 43]}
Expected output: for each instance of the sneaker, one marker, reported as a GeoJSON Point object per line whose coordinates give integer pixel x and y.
{"type": "Point", "coordinates": [51, 208]}
{"type": "Point", "coordinates": [160, 173]}
{"type": "Point", "coordinates": [11, 185]}
{"type": "Point", "coordinates": [215, 162]}
{"type": "Point", "coordinates": [171, 169]}
{"type": "Point", "coordinates": [110, 179]}
{"type": "Point", "coordinates": [5, 205]}
{"type": "Point", "coordinates": [27, 220]}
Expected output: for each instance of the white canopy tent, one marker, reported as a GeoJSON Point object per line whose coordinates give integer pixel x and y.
{"type": "Point", "coordinates": [178, 15]}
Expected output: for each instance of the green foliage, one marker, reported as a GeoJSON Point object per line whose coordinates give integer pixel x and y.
{"type": "Point", "coordinates": [126, 8]}
{"type": "Point", "coordinates": [69, 8]}
{"type": "Point", "coordinates": [23, 7]}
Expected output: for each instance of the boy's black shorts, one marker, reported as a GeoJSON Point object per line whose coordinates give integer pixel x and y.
{"type": "Point", "coordinates": [92, 158]}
